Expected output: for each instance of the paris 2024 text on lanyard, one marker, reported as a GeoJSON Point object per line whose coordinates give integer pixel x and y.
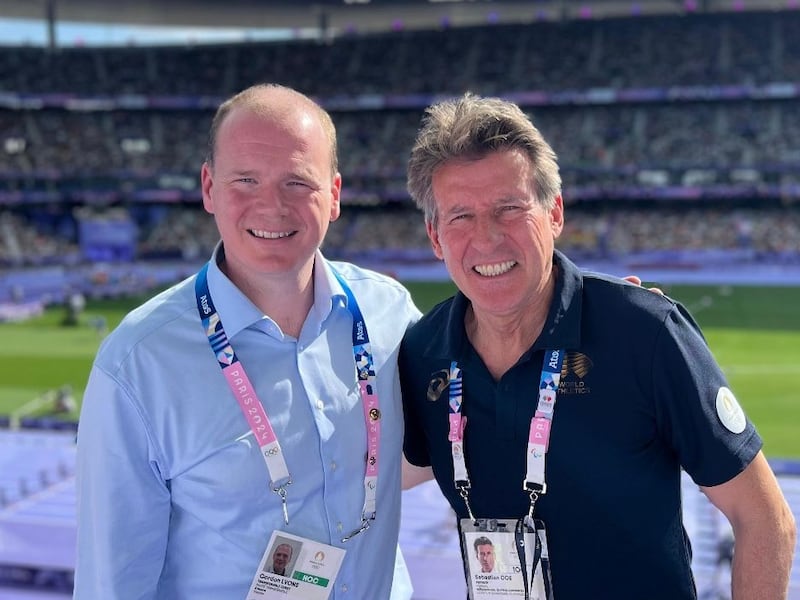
{"type": "Point", "coordinates": [313, 566]}
{"type": "Point", "coordinates": [508, 557]}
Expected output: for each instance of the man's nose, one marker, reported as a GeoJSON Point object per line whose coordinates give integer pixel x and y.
{"type": "Point", "coordinates": [487, 231]}
{"type": "Point", "coordinates": [272, 200]}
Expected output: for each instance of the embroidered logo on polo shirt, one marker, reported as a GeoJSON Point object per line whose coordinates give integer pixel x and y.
{"type": "Point", "coordinates": [438, 383]}
{"type": "Point", "coordinates": [575, 368]}
{"type": "Point", "coordinates": [729, 411]}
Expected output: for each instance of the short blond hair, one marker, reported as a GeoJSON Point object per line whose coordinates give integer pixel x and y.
{"type": "Point", "coordinates": [265, 97]}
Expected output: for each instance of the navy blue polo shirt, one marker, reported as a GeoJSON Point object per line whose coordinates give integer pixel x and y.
{"type": "Point", "coordinates": [637, 401]}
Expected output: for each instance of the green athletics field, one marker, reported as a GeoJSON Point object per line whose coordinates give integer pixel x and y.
{"type": "Point", "coordinates": [753, 331]}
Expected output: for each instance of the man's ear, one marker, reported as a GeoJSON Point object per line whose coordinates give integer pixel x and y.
{"type": "Point", "coordinates": [433, 236]}
{"type": "Point", "coordinates": [557, 217]}
{"type": "Point", "coordinates": [336, 197]}
{"type": "Point", "coordinates": [206, 183]}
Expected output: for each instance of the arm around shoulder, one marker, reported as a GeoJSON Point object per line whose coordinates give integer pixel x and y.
{"type": "Point", "coordinates": [413, 475]}
{"type": "Point", "coordinates": [764, 530]}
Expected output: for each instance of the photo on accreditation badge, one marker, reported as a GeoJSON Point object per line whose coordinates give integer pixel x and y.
{"type": "Point", "coordinates": [281, 556]}
{"type": "Point", "coordinates": [296, 568]}
{"type": "Point", "coordinates": [486, 548]}
{"type": "Point", "coordinates": [493, 565]}
{"type": "Point", "coordinates": [490, 572]}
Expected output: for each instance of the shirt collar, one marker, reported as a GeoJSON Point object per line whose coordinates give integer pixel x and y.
{"type": "Point", "coordinates": [237, 312]}
{"type": "Point", "coordinates": [561, 330]}
{"type": "Point", "coordinates": [328, 292]}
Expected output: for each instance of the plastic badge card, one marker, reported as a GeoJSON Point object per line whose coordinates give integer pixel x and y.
{"type": "Point", "coordinates": [296, 567]}
{"type": "Point", "coordinates": [493, 563]}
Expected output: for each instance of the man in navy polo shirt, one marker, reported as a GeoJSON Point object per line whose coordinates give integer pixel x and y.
{"type": "Point", "coordinates": [556, 407]}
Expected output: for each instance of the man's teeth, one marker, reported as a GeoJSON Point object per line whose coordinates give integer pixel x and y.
{"type": "Point", "coordinates": [270, 235]}
{"type": "Point", "coordinates": [495, 269]}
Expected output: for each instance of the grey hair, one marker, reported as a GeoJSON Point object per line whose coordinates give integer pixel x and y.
{"type": "Point", "coordinates": [263, 98]}
{"type": "Point", "coordinates": [470, 128]}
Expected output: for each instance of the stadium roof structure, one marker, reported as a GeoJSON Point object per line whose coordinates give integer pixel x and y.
{"type": "Point", "coordinates": [331, 17]}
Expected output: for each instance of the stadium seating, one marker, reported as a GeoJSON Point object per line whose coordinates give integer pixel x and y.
{"type": "Point", "coordinates": [692, 112]}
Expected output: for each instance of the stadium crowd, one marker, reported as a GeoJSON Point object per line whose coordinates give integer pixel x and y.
{"type": "Point", "coordinates": [675, 112]}
{"type": "Point", "coordinates": [694, 49]}
{"type": "Point", "coordinates": [398, 233]}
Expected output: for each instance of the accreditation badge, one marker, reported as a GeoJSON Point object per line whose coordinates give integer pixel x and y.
{"type": "Point", "coordinates": [495, 553]}
{"type": "Point", "coordinates": [295, 567]}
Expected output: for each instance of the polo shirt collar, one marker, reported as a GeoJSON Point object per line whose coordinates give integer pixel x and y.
{"type": "Point", "coordinates": [561, 330]}
{"type": "Point", "coordinates": [563, 326]}
{"type": "Point", "coordinates": [237, 312]}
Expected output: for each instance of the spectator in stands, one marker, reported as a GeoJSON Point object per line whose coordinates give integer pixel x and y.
{"type": "Point", "coordinates": [179, 491]}
{"type": "Point", "coordinates": [638, 392]}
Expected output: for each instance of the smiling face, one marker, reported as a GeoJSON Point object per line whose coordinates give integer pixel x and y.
{"type": "Point", "coordinates": [495, 238]}
{"type": "Point", "coordinates": [271, 188]}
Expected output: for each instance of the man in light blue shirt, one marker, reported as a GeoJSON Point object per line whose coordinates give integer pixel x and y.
{"type": "Point", "coordinates": [178, 494]}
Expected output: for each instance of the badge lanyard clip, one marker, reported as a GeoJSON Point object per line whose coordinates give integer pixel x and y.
{"type": "Point", "coordinates": [534, 490]}
{"type": "Point", "coordinates": [281, 491]}
{"type": "Point", "coordinates": [365, 523]}
{"type": "Point", "coordinates": [463, 491]}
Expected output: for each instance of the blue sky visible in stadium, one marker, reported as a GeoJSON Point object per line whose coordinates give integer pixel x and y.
{"type": "Point", "coordinates": [30, 32]}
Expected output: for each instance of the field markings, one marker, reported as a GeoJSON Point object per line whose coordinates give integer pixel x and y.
{"type": "Point", "coordinates": [704, 303]}
{"type": "Point", "coordinates": [761, 369]}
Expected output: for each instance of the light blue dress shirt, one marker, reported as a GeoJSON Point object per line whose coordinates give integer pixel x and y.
{"type": "Point", "coordinates": [173, 497]}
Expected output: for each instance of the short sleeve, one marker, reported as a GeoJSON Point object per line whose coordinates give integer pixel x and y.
{"type": "Point", "coordinates": [697, 412]}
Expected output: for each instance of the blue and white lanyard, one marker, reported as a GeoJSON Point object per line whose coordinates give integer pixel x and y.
{"type": "Point", "coordinates": [257, 418]}
{"type": "Point", "coordinates": [538, 436]}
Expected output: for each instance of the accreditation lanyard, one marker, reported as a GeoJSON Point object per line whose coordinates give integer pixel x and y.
{"type": "Point", "coordinates": [538, 435]}
{"type": "Point", "coordinates": [257, 418]}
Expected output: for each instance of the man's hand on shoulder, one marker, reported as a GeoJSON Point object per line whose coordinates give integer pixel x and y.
{"type": "Point", "coordinates": [637, 281]}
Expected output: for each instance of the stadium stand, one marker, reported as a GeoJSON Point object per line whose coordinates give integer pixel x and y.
{"type": "Point", "coordinates": [678, 136]}
{"type": "Point", "coordinates": [711, 122]}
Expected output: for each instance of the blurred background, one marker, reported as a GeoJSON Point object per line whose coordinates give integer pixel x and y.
{"type": "Point", "coordinates": [676, 124]}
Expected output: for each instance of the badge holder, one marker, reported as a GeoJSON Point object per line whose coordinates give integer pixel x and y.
{"type": "Point", "coordinates": [494, 552]}
{"type": "Point", "coordinates": [308, 573]}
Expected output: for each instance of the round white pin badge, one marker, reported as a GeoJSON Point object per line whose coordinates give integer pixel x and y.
{"type": "Point", "coordinates": [729, 411]}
